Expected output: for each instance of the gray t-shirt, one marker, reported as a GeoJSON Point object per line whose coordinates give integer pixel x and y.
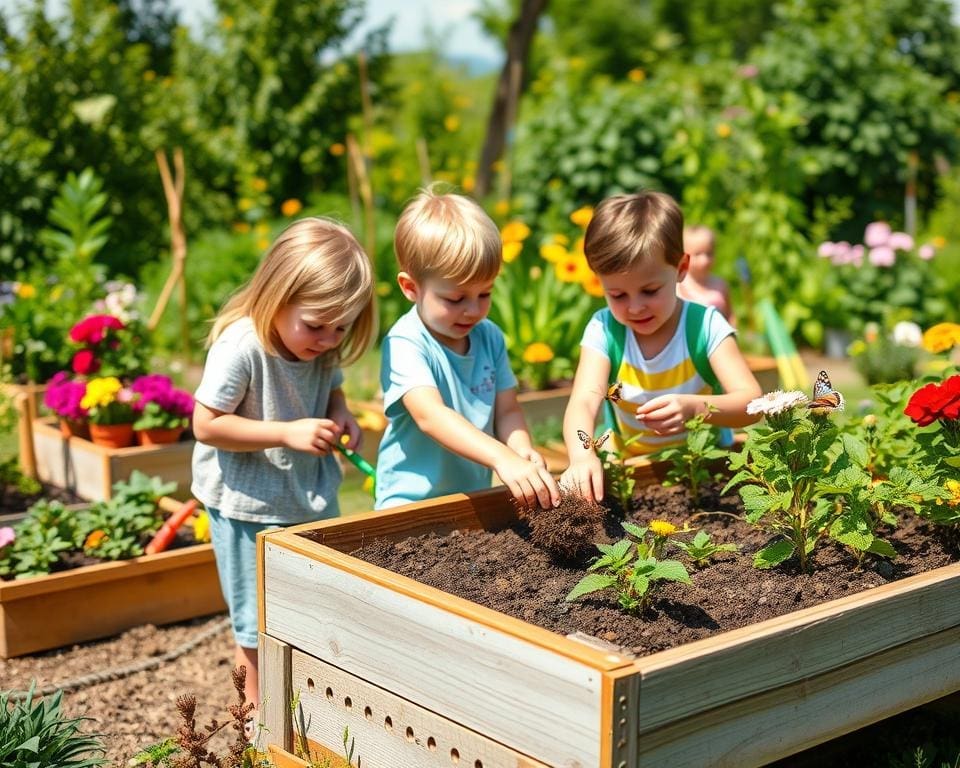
{"type": "Point", "coordinates": [275, 485]}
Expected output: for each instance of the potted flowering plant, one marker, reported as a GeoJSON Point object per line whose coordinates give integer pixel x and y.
{"type": "Point", "coordinates": [63, 396]}
{"type": "Point", "coordinates": [110, 408]}
{"type": "Point", "coordinates": [108, 346]}
{"type": "Point", "coordinates": [164, 411]}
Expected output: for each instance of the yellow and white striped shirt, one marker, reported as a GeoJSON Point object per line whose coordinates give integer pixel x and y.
{"type": "Point", "coordinates": [670, 372]}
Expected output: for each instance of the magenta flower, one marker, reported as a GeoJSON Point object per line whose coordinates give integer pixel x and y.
{"type": "Point", "coordinates": [63, 397]}
{"type": "Point", "coordinates": [876, 234]}
{"type": "Point", "coordinates": [92, 329]}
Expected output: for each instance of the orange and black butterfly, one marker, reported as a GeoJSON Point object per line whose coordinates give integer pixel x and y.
{"type": "Point", "coordinates": [589, 442]}
{"type": "Point", "coordinates": [614, 392]}
{"type": "Point", "coordinates": [825, 398]}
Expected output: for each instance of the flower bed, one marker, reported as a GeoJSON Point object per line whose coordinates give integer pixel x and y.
{"type": "Point", "coordinates": [102, 599]}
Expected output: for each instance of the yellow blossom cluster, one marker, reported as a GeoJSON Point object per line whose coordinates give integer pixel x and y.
{"type": "Point", "coordinates": [101, 392]}
{"type": "Point", "coordinates": [662, 528]}
{"type": "Point", "coordinates": [941, 337]}
{"type": "Point", "coordinates": [513, 235]}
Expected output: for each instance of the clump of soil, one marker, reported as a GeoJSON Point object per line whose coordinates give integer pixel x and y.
{"type": "Point", "coordinates": [567, 532]}
{"type": "Point", "coordinates": [504, 570]}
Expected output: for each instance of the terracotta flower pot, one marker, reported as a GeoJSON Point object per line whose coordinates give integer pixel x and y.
{"type": "Point", "coordinates": [73, 428]}
{"type": "Point", "coordinates": [159, 435]}
{"type": "Point", "coordinates": [112, 435]}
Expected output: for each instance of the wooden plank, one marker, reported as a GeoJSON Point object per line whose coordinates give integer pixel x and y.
{"type": "Point", "coordinates": [799, 645]}
{"type": "Point", "coordinates": [387, 731]}
{"type": "Point", "coordinates": [276, 692]}
{"type": "Point", "coordinates": [763, 728]}
{"type": "Point", "coordinates": [508, 688]}
{"type": "Point", "coordinates": [620, 710]}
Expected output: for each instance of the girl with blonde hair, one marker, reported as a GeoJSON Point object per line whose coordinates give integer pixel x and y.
{"type": "Point", "coordinates": [270, 408]}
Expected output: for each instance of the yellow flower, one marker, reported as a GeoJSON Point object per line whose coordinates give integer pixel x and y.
{"type": "Point", "coordinates": [636, 75]}
{"type": "Point", "coordinates": [201, 527]}
{"type": "Point", "coordinates": [553, 252]}
{"type": "Point", "coordinates": [241, 226]}
{"type": "Point", "coordinates": [263, 243]}
{"type": "Point", "coordinates": [260, 185]}
{"type": "Point", "coordinates": [723, 130]}
{"type": "Point", "coordinates": [537, 352]}
{"type": "Point", "coordinates": [560, 239]}
{"type": "Point", "coordinates": [515, 232]}
{"type": "Point", "coordinates": [94, 539]}
{"type": "Point", "coordinates": [451, 123]}
{"type": "Point", "coordinates": [870, 420]}
{"type": "Point", "coordinates": [662, 528]}
{"type": "Point", "coordinates": [938, 242]}
{"type": "Point", "coordinates": [337, 149]}
{"type": "Point", "coordinates": [291, 207]}
{"type": "Point", "coordinates": [953, 488]}
{"type": "Point", "coordinates": [511, 250]}
{"type": "Point", "coordinates": [502, 207]}
{"type": "Point", "coordinates": [100, 392]}
{"type": "Point", "coordinates": [244, 203]}
{"type": "Point", "coordinates": [941, 337]}
{"type": "Point", "coordinates": [26, 291]}
{"type": "Point", "coordinates": [149, 75]}
{"type": "Point", "coordinates": [570, 269]}
{"type": "Point", "coordinates": [581, 217]}
{"type": "Point", "coordinates": [591, 284]}
{"type": "Point", "coordinates": [262, 228]}
{"type": "Point", "coordinates": [469, 183]}
{"type": "Point", "coordinates": [227, 22]}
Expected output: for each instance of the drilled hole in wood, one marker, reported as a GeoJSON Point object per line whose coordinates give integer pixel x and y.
{"type": "Point", "coordinates": [368, 713]}
{"type": "Point", "coordinates": [409, 733]}
{"type": "Point", "coordinates": [454, 756]}
{"type": "Point", "coordinates": [348, 702]}
{"type": "Point", "coordinates": [388, 723]}
{"type": "Point", "coordinates": [478, 764]}
{"type": "Point", "coordinates": [432, 744]}
{"type": "Point", "coordinates": [310, 685]}
{"type": "Point", "coordinates": [329, 693]}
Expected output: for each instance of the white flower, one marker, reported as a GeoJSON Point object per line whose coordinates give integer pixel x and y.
{"type": "Point", "coordinates": [776, 402]}
{"type": "Point", "coordinates": [907, 334]}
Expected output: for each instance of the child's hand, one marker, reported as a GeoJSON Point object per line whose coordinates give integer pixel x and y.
{"type": "Point", "coordinates": [316, 436]}
{"type": "Point", "coordinates": [531, 484]}
{"type": "Point", "coordinates": [349, 428]}
{"type": "Point", "coordinates": [533, 457]}
{"type": "Point", "coordinates": [667, 414]}
{"type": "Point", "coordinates": [585, 477]}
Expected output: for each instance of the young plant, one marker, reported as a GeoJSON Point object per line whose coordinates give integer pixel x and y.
{"type": "Point", "coordinates": [693, 460]}
{"type": "Point", "coordinates": [633, 567]}
{"type": "Point", "coordinates": [38, 734]}
{"type": "Point", "coordinates": [618, 478]}
{"type": "Point", "coordinates": [700, 549]}
{"type": "Point", "coordinates": [301, 747]}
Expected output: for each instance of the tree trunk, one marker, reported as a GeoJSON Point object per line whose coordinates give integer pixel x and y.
{"type": "Point", "coordinates": [507, 95]}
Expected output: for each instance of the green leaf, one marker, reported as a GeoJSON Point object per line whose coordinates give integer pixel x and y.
{"type": "Point", "coordinates": [774, 554]}
{"type": "Point", "coordinates": [883, 548]}
{"type": "Point", "coordinates": [670, 570]}
{"type": "Point", "coordinates": [856, 449]}
{"type": "Point", "coordinates": [592, 582]}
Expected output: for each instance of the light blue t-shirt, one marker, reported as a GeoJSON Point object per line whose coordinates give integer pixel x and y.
{"type": "Point", "coordinates": [410, 465]}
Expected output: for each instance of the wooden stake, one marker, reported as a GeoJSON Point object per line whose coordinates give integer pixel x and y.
{"type": "Point", "coordinates": [366, 193]}
{"type": "Point", "coordinates": [22, 401]}
{"type": "Point", "coordinates": [173, 191]}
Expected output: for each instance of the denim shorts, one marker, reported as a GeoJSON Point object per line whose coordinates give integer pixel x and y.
{"type": "Point", "coordinates": [235, 547]}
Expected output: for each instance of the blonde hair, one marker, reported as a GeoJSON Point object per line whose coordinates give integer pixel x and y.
{"type": "Point", "coordinates": [447, 236]}
{"type": "Point", "coordinates": [318, 263]}
{"type": "Point", "coordinates": [693, 230]}
{"type": "Point", "coordinates": [626, 230]}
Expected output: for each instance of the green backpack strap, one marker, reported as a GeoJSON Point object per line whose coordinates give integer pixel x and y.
{"type": "Point", "coordinates": [616, 341]}
{"type": "Point", "coordinates": [696, 332]}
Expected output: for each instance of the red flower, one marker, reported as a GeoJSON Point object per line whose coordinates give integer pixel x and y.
{"type": "Point", "coordinates": [85, 362]}
{"type": "Point", "coordinates": [935, 401]}
{"type": "Point", "coordinates": [93, 328]}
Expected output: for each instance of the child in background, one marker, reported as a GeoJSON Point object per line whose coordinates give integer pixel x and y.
{"type": "Point", "coordinates": [654, 355]}
{"type": "Point", "coordinates": [448, 390]}
{"type": "Point", "coordinates": [270, 407]}
{"type": "Point", "coordinates": [700, 284]}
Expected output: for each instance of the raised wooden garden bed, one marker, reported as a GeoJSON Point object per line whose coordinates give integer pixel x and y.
{"type": "Point", "coordinates": [424, 678]}
{"type": "Point", "coordinates": [95, 601]}
{"type": "Point", "coordinates": [90, 470]}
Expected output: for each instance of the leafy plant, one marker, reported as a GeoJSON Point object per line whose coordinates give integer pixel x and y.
{"type": "Point", "coordinates": [692, 461]}
{"type": "Point", "coordinates": [700, 549]}
{"type": "Point", "coordinates": [36, 733]}
{"type": "Point", "coordinates": [632, 568]}
{"type": "Point", "coordinates": [301, 747]}
{"type": "Point", "coordinates": [618, 478]}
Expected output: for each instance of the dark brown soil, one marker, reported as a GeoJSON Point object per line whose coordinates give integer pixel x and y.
{"type": "Point", "coordinates": [14, 501]}
{"type": "Point", "coordinates": [504, 571]}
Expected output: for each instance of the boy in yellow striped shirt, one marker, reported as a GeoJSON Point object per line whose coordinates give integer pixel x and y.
{"type": "Point", "coordinates": [658, 360]}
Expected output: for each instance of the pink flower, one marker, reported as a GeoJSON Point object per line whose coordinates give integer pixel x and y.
{"type": "Point", "coordinates": [7, 536]}
{"type": "Point", "coordinates": [926, 252]}
{"type": "Point", "coordinates": [900, 241]}
{"type": "Point", "coordinates": [876, 234]}
{"type": "Point", "coordinates": [827, 250]}
{"type": "Point", "coordinates": [856, 255]}
{"type": "Point", "coordinates": [748, 71]}
{"type": "Point", "coordinates": [882, 256]}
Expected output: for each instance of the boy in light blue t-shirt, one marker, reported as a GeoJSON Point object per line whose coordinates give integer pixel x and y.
{"type": "Point", "coordinates": [448, 391]}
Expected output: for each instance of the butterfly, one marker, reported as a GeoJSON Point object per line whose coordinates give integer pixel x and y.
{"type": "Point", "coordinates": [615, 392]}
{"type": "Point", "coordinates": [589, 442]}
{"type": "Point", "coordinates": [825, 397]}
